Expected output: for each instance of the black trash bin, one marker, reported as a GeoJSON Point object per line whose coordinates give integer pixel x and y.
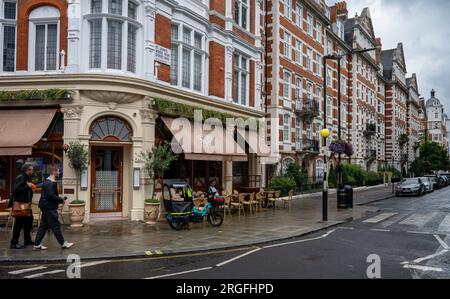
{"type": "Point", "coordinates": [345, 197]}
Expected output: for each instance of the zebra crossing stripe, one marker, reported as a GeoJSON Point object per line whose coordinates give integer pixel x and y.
{"type": "Point", "coordinates": [44, 273]}
{"type": "Point", "coordinates": [380, 217]}
{"type": "Point", "coordinates": [418, 220]}
{"type": "Point", "coordinates": [17, 272]}
{"type": "Point", "coordinates": [445, 225]}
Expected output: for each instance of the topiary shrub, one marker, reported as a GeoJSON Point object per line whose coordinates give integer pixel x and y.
{"type": "Point", "coordinates": [283, 184]}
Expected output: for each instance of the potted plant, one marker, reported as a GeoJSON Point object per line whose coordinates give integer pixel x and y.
{"type": "Point", "coordinates": [156, 162]}
{"type": "Point", "coordinates": [151, 210]}
{"type": "Point", "coordinates": [78, 161]}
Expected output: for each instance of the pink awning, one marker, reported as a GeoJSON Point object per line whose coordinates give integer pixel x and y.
{"type": "Point", "coordinates": [21, 129]}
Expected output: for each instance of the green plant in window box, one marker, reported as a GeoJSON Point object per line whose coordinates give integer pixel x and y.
{"type": "Point", "coordinates": [33, 94]}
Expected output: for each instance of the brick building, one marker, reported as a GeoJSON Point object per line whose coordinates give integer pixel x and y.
{"type": "Point", "coordinates": [112, 75]}
{"type": "Point", "coordinates": [413, 119]}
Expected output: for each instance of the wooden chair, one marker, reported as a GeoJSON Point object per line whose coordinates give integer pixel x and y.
{"type": "Point", "coordinates": [239, 204]}
{"type": "Point", "coordinates": [259, 197]}
{"type": "Point", "coordinates": [9, 218]}
{"type": "Point", "coordinates": [226, 205]}
{"type": "Point", "coordinates": [274, 198]}
{"type": "Point", "coordinates": [253, 202]}
{"type": "Point", "coordinates": [288, 200]}
{"type": "Point", "coordinates": [247, 202]}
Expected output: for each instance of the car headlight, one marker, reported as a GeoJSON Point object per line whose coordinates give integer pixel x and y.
{"type": "Point", "coordinates": [416, 188]}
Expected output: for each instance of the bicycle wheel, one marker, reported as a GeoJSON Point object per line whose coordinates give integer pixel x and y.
{"type": "Point", "coordinates": [215, 219]}
{"type": "Point", "coordinates": [176, 225]}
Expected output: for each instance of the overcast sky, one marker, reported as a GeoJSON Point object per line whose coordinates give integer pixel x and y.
{"type": "Point", "coordinates": [424, 28]}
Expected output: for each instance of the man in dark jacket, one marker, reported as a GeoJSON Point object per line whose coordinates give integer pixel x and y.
{"type": "Point", "coordinates": [48, 204]}
{"type": "Point", "coordinates": [22, 192]}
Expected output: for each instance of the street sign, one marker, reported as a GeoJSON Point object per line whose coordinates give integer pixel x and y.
{"type": "Point", "coordinates": [162, 55]}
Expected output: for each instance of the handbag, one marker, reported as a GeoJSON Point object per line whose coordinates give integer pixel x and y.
{"type": "Point", "coordinates": [21, 209]}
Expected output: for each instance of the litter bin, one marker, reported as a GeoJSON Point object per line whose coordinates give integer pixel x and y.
{"type": "Point", "coordinates": [345, 197]}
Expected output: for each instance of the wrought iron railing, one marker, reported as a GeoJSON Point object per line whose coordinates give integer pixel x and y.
{"type": "Point", "coordinates": [308, 145]}
{"type": "Point", "coordinates": [307, 108]}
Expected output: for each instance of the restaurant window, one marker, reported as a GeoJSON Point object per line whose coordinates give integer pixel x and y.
{"type": "Point", "coordinates": [241, 79]}
{"type": "Point", "coordinates": [241, 13]}
{"type": "Point", "coordinates": [121, 31]}
{"type": "Point", "coordinates": [8, 23]}
{"type": "Point", "coordinates": [188, 57]}
{"type": "Point", "coordinates": [44, 46]}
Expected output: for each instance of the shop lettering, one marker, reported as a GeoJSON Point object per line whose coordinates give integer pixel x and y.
{"type": "Point", "coordinates": [187, 289]}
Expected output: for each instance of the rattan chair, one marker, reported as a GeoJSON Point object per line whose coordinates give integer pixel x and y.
{"type": "Point", "coordinates": [239, 204]}
{"type": "Point", "coordinates": [226, 205]}
{"type": "Point", "coordinates": [288, 201]}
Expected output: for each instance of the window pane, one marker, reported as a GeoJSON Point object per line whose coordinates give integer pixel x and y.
{"type": "Point", "coordinates": [198, 71]}
{"type": "Point", "coordinates": [236, 86]}
{"type": "Point", "coordinates": [115, 7]}
{"type": "Point", "coordinates": [9, 48]}
{"type": "Point", "coordinates": [174, 32]}
{"type": "Point", "coordinates": [187, 36]}
{"type": "Point", "coordinates": [10, 10]}
{"type": "Point", "coordinates": [244, 17]}
{"type": "Point", "coordinates": [96, 6]}
{"type": "Point", "coordinates": [174, 66]}
{"type": "Point", "coordinates": [244, 89]}
{"type": "Point", "coordinates": [52, 51]}
{"type": "Point", "coordinates": [236, 11]}
{"type": "Point", "coordinates": [114, 44]}
{"type": "Point", "coordinates": [132, 8]}
{"type": "Point", "coordinates": [198, 40]}
{"type": "Point", "coordinates": [95, 52]}
{"type": "Point", "coordinates": [186, 80]}
{"type": "Point", "coordinates": [131, 60]}
{"type": "Point", "coordinates": [40, 48]}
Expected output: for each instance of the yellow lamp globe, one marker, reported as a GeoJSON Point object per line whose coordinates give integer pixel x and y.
{"type": "Point", "coordinates": [325, 133]}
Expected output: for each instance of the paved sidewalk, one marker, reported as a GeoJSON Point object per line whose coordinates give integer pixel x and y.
{"type": "Point", "coordinates": [113, 239]}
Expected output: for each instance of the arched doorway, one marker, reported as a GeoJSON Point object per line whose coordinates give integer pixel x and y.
{"type": "Point", "coordinates": [109, 135]}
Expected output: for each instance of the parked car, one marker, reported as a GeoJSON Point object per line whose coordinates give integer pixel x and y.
{"type": "Point", "coordinates": [428, 184]}
{"type": "Point", "coordinates": [445, 180]}
{"type": "Point", "coordinates": [411, 186]}
{"type": "Point", "coordinates": [436, 181]}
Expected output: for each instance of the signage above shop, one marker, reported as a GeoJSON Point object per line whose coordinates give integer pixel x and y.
{"type": "Point", "coordinates": [162, 55]}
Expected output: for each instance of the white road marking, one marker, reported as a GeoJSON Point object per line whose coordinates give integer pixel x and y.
{"type": "Point", "coordinates": [179, 273]}
{"type": "Point", "coordinates": [394, 219]}
{"type": "Point", "coordinates": [379, 218]}
{"type": "Point", "coordinates": [238, 257]}
{"type": "Point", "coordinates": [90, 264]}
{"type": "Point", "coordinates": [380, 230]}
{"type": "Point", "coordinates": [44, 273]}
{"type": "Point", "coordinates": [429, 257]}
{"type": "Point", "coordinates": [418, 220]}
{"type": "Point", "coordinates": [17, 272]}
{"type": "Point", "coordinates": [443, 244]}
{"type": "Point", "coordinates": [345, 227]}
{"type": "Point", "coordinates": [445, 225]}
{"type": "Point", "coordinates": [301, 241]}
{"type": "Point", "coordinates": [422, 268]}
{"type": "Point", "coordinates": [418, 233]}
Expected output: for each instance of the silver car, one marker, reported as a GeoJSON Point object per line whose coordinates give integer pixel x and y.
{"type": "Point", "coordinates": [429, 185]}
{"type": "Point", "coordinates": [409, 187]}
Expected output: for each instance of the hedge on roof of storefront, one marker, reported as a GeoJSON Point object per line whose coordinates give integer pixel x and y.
{"type": "Point", "coordinates": [33, 94]}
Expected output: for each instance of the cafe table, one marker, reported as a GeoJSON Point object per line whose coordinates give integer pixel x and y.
{"type": "Point", "coordinates": [265, 203]}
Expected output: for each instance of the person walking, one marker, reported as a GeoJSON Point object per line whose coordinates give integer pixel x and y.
{"type": "Point", "coordinates": [23, 193]}
{"type": "Point", "coordinates": [49, 202]}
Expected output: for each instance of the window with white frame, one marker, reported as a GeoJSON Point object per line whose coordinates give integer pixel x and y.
{"type": "Point", "coordinates": [309, 24]}
{"type": "Point", "coordinates": [329, 77]}
{"type": "Point", "coordinates": [319, 64]}
{"type": "Point", "coordinates": [329, 109]}
{"type": "Point", "coordinates": [287, 45]}
{"type": "Point", "coordinates": [188, 57]}
{"type": "Point", "coordinates": [319, 32]}
{"type": "Point", "coordinates": [319, 138]}
{"type": "Point", "coordinates": [287, 128]}
{"type": "Point", "coordinates": [319, 170]}
{"type": "Point", "coordinates": [287, 9]}
{"type": "Point", "coordinates": [298, 92]}
{"type": "Point", "coordinates": [343, 115]}
{"type": "Point", "coordinates": [309, 91]}
{"type": "Point", "coordinates": [329, 47]}
{"type": "Point", "coordinates": [319, 97]}
{"type": "Point", "coordinates": [8, 24]}
{"type": "Point", "coordinates": [113, 35]}
{"type": "Point", "coordinates": [44, 39]}
{"type": "Point", "coordinates": [298, 52]}
{"type": "Point", "coordinates": [343, 85]}
{"type": "Point", "coordinates": [309, 59]}
{"type": "Point", "coordinates": [242, 13]}
{"type": "Point", "coordinates": [287, 85]}
{"type": "Point", "coordinates": [309, 130]}
{"type": "Point", "coordinates": [298, 130]}
{"type": "Point", "coordinates": [298, 14]}
{"type": "Point", "coordinates": [241, 79]}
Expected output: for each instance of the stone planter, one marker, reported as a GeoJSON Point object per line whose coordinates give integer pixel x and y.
{"type": "Point", "coordinates": [151, 212]}
{"type": "Point", "coordinates": [76, 213]}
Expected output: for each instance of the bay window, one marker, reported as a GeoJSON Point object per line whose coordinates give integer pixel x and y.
{"type": "Point", "coordinates": [113, 35]}
{"type": "Point", "coordinates": [8, 23]}
{"type": "Point", "coordinates": [188, 58]}
{"type": "Point", "coordinates": [241, 79]}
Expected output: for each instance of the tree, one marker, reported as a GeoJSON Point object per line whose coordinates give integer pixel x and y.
{"type": "Point", "coordinates": [157, 161]}
{"type": "Point", "coordinates": [78, 160]}
{"type": "Point", "coordinates": [433, 157]}
{"type": "Point", "coordinates": [297, 173]}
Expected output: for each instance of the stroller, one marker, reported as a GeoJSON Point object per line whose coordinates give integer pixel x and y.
{"type": "Point", "coordinates": [182, 211]}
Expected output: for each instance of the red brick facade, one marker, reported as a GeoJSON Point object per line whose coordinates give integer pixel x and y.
{"type": "Point", "coordinates": [163, 38]}
{"type": "Point", "coordinates": [217, 70]}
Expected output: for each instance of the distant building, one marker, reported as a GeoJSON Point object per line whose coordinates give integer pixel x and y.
{"type": "Point", "coordinates": [436, 121]}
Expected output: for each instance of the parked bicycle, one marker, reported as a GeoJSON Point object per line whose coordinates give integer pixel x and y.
{"type": "Point", "coordinates": [181, 210]}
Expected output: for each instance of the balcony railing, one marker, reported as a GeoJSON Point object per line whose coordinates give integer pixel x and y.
{"type": "Point", "coordinates": [370, 130]}
{"type": "Point", "coordinates": [308, 146]}
{"type": "Point", "coordinates": [307, 108]}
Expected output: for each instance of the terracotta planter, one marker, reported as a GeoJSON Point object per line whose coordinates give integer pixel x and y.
{"type": "Point", "coordinates": [76, 213]}
{"type": "Point", "coordinates": [151, 212]}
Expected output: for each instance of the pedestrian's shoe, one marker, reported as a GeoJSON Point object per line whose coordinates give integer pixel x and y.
{"type": "Point", "coordinates": [39, 248]}
{"type": "Point", "coordinates": [66, 245]}
{"type": "Point", "coordinates": [29, 243]}
{"type": "Point", "coordinates": [17, 246]}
